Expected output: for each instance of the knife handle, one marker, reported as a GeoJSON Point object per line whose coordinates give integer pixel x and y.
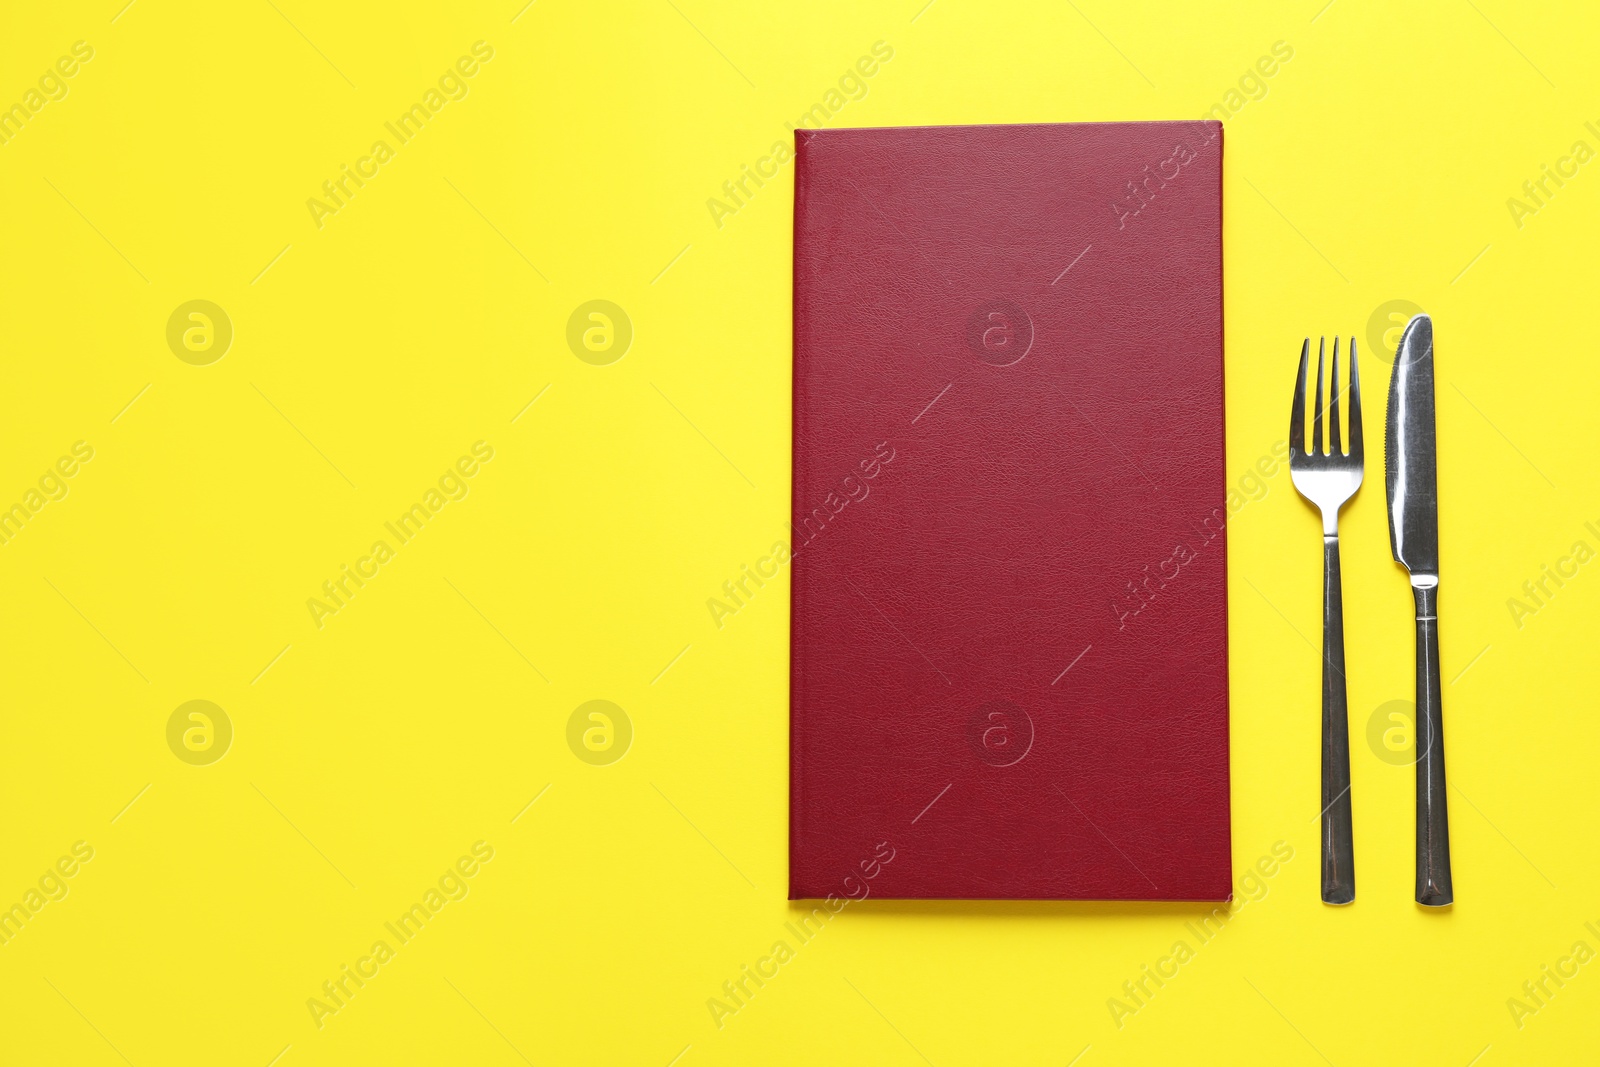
{"type": "Point", "coordinates": [1434, 886]}
{"type": "Point", "coordinates": [1338, 846]}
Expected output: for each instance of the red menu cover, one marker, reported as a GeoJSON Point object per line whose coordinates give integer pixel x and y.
{"type": "Point", "coordinates": [1009, 638]}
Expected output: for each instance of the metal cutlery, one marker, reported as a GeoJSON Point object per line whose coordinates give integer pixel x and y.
{"type": "Point", "coordinates": [1411, 476]}
{"type": "Point", "coordinates": [1327, 480]}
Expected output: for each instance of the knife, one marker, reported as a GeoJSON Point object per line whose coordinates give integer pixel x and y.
{"type": "Point", "coordinates": [1411, 475]}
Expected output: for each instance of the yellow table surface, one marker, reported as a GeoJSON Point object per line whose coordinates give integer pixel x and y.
{"type": "Point", "coordinates": [410, 738]}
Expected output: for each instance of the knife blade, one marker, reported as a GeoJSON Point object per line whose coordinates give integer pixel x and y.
{"type": "Point", "coordinates": [1411, 456]}
{"type": "Point", "coordinates": [1412, 481]}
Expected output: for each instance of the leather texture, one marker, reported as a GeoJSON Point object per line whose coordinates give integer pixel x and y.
{"type": "Point", "coordinates": [1009, 617]}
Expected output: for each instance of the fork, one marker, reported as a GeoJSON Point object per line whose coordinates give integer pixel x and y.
{"type": "Point", "coordinates": [1328, 479]}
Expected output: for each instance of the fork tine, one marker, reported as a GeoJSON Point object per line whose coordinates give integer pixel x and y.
{"type": "Point", "coordinates": [1335, 445]}
{"type": "Point", "coordinates": [1355, 404]}
{"type": "Point", "coordinates": [1316, 412]}
{"type": "Point", "coordinates": [1297, 415]}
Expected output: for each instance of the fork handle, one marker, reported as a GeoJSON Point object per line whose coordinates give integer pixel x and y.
{"type": "Point", "coordinates": [1434, 886]}
{"type": "Point", "coordinates": [1338, 847]}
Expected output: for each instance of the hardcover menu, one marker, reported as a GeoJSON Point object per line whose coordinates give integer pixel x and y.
{"type": "Point", "coordinates": [1009, 638]}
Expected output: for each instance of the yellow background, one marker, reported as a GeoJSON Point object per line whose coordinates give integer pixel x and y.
{"type": "Point", "coordinates": [370, 353]}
